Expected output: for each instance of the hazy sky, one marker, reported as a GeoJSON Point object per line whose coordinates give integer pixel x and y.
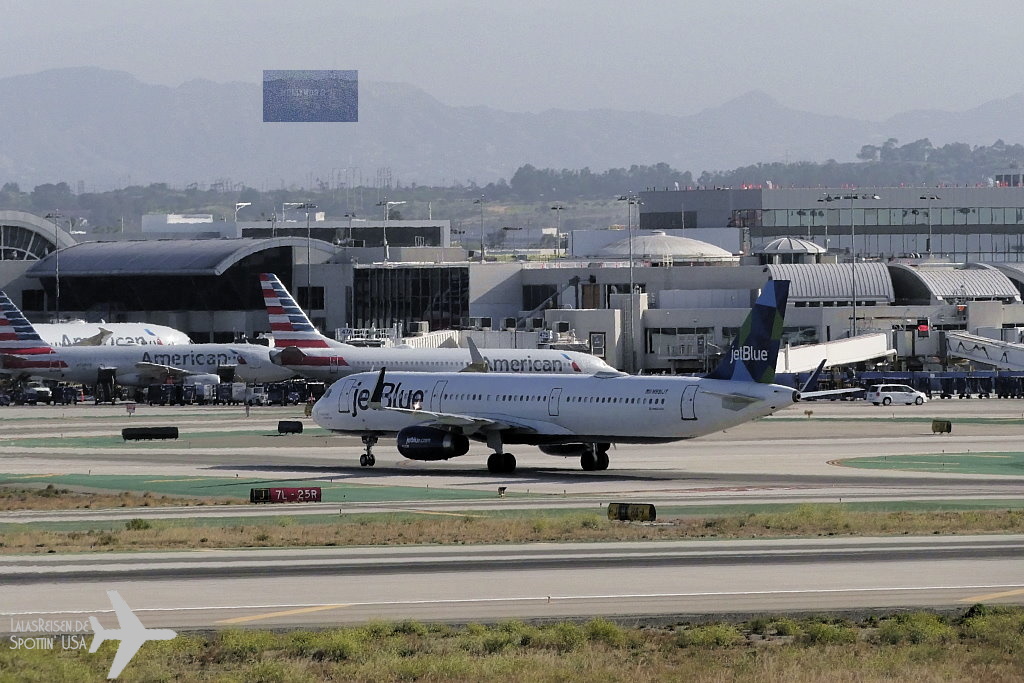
{"type": "Point", "coordinates": [865, 58]}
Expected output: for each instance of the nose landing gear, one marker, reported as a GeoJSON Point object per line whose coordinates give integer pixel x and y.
{"type": "Point", "coordinates": [367, 459]}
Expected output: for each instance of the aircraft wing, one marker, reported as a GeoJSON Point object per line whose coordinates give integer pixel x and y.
{"type": "Point", "coordinates": [734, 397]}
{"type": "Point", "coordinates": [126, 619]}
{"type": "Point", "coordinates": [169, 370]}
{"type": "Point", "coordinates": [97, 339]}
{"type": "Point", "coordinates": [471, 423]}
{"type": "Point", "coordinates": [804, 395]}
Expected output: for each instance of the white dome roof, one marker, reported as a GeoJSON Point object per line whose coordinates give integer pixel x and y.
{"type": "Point", "coordinates": [792, 245]}
{"type": "Point", "coordinates": [660, 246]}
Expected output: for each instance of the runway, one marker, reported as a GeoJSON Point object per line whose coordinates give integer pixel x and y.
{"type": "Point", "coordinates": [791, 457]}
{"type": "Point", "coordinates": [282, 588]}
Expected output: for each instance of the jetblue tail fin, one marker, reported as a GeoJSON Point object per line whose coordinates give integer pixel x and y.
{"type": "Point", "coordinates": [17, 336]}
{"type": "Point", "coordinates": [288, 322]}
{"type": "Point", "coordinates": [99, 634]}
{"type": "Point", "coordinates": [755, 350]}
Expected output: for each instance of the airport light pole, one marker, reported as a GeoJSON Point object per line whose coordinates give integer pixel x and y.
{"type": "Point", "coordinates": [853, 245]}
{"type": "Point", "coordinates": [56, 216]}
{"type": "Point", "coordinates": [631, 200]}
{"type": "Point", "coordinates": [507, 229]}
{"type": "Point", "coordinates": [481, 203]}
{"type": "Point", "coordinates": [929, 198]}
{"type": "Point", "coordinates": [240, 205]}
{"type": "Point", "coordinates": [387, 211]}
{"type": "Point", "coordinates": [558, 209]}
{"type": "Point", "coordinates": [307, 207]}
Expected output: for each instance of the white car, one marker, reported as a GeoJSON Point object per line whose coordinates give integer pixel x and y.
{"type": "Point", "coordinates": [886, 394]}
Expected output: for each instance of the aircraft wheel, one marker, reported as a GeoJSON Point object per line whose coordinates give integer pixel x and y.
{"type": "Point", "coordinates": [508, 462]}
{"type": "Point", "coordinates": [886, 401]}
{"type": "Point", "coordinates": [603, 447]}
{"type": "Point", "coordinates": [494, 462]}
{"type": "Point", "coordinates": [918, 401]}
{"type": "Point", "coordinates": [588, 461]}
{"type": "Point", "coordinates": [363, 460]}
{"type": "Point", "coordinates": [602, 461]}
{"type": "Point", "coordinates": [371, 460]}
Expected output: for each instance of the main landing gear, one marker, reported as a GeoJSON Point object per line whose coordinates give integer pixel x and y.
{"type": "Point", "coordinates": [367, 459]}
{"type": "Point", "coordinates": [499, 462]}
{"type": "Point", "coordinates": [595, 457]}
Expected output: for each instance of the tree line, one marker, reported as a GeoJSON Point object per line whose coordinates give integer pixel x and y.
{"type": "Point", "coordinates": [886, 165]}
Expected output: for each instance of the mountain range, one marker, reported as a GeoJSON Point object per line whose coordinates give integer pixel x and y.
{"type": "Point", "coordinates": [108, 129]}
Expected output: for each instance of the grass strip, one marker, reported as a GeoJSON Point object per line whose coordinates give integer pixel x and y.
{"type": "Point", "coordinates": [983, 643]}
{"type": "Point", "coordinates": [809, 520]}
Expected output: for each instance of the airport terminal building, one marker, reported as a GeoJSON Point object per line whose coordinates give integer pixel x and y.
{"type": "Point", "coordinates": [666, 298]}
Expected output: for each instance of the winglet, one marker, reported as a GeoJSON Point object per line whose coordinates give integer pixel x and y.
{"type": "Point", "coordinates": [378, 391]}
{"type": "Point", "coordinates": [755, 350]}
{"type": "Point", "coordinates": [98, 339]}
{"type": "Point", "coordinates": [813, 379]}
{"type": "Point", "coordinates": [477, 361]}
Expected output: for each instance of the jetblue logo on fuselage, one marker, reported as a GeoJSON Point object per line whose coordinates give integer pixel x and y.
{"type": "Point", "coordinates": [745, 353]}
{"type": "Point", "coordinates": [393, 396]}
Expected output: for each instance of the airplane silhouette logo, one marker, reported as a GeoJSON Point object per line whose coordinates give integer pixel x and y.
{"type": "Point", "coordinates": [131, 633]}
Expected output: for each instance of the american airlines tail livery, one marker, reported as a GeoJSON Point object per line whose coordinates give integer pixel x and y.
{"type": "Point", "coordinates": [300, 347]}
{"type": "Point", "coordinates": [436, 414]}
{"type": "Point", "coordinates": [24, 352]}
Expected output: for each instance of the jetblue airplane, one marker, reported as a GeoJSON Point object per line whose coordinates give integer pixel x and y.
{"type": "Point", "coordinates": [436, 414]}
{"type": "Point", "coordinates": [301, 348]}
{"type": "Point", "coordinates": [24, 352]}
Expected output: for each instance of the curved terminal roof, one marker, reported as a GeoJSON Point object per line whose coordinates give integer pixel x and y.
{"type": "Point", "coordinates": [834, 281]}
{"type": "Point", "coordinates": [167, 257]}
{"type": "Point", "coordinates": [792, 245]}
{"type": "Point", "coordinates": [659, 246]}
{"type": "Point", "coordinates": [27, 237]}
{"type": "Point", "coordinates": [1014, 271]}
{"type": "Point", "coordinates": [936, 283]}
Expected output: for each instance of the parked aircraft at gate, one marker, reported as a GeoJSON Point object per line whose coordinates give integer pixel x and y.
{"type": "Point", "coordinates": [313, 355]}
{"type": "Point", "coordinates": [25, 353]}
{"type": "Point", "coordinates": [435, 414]}
{"type": "Point", "coordinates": [81, 333]}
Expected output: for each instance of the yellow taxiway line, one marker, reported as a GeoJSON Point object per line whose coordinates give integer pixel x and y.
{"type": "Point", "coordinates": [285, 613]}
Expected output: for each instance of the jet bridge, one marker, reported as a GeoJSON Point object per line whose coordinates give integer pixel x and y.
{"type": "Point", "coordinates": [1003, 355]}
{"type": "Point", "coordinates": [806, 357]}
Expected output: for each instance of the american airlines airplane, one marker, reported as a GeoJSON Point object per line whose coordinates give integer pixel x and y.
{"type": "Point", "coordinates": [436, 414]}
{"type": "Point", "coordinates": [24, 352]}
{"type": "Point", "coordinates": [81, 333]}
{"type": "Point", "coordinates": [300, 347]}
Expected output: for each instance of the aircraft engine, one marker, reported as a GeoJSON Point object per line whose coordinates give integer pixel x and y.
{"type": "Point", "coordinates": [429, 443]}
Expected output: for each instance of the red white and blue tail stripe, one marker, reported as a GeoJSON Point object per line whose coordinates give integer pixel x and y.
{"type": "Point", "coordinates": [288, 322]}
{"type": "Point", "coordinates": [17, 336]}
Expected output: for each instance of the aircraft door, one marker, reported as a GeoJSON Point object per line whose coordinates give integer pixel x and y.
{"type": "Point", "coordinates": [686, 404]}
{"type": "Point", "coordinates": [345, 397]}
{"type": "Point", "coordinates": [553, 399]}
{"type": "Point", "coordinates": [332, 367]}
{"type": "Point", "coordinates": [435, 396]}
